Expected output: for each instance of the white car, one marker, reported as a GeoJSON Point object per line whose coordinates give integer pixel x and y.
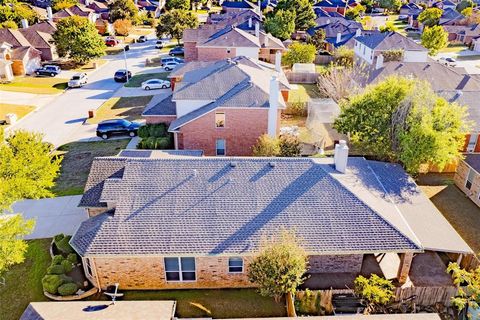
{"type": "Point", "coordinates": [170, 65]}
{"type": "Point", "coordinates": [78, 80]}
{"type": "Point", "coordinates": [155, 84]}
{"type": "Point", "coordinates": [448, 61]}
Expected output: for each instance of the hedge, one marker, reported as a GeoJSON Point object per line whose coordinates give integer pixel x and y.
{"type": "Point", "coordinates": [67, 266]}
{"type": "Point", "coordinates": [72, 257]}
{"type": "Point", "coordinates": [51, 282]}
{"type": "Point", "coordinates": [61, 241]}
{"type": "Point", "coordinates": [57, 259]}
{"type": "Point", "coordinates": [56, 269]}
{"type": "Point", "coordinates": [153, 130]}
{"type": "Point", "coordinates": [67, 289]}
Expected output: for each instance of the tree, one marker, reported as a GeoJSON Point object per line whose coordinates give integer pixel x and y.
{"type": "Point", "coordinates": [467, 12]}
{"type": "Point", "coordinates": [279, 267]}
{"type": "Point", "coordinates": [434, 39]}
{"type": "Point", "coordinates": [368, 4]}
{"type": "Point", "coordinates": [174, 22]}
{"type": "Point", "coordinates": [341, 81]}
{"type": "Point", "coordinates": [403, 120]}
{"type": "Point", "coordinates": [344, 56]}
{"type": "Point", "coordinates": [77, 38]}
{"type": "Point", "coordinates": [300, 53]}
{"type": "Point", "coordinates": [289, 146]}
{"type": "Point", "coordinates": [376, 291]}
{"type": "Point", "coordinates": [355, 12]}
{"type": "Point", "coordinates": [266, 146]}
{"type": "Point", "coordinates": [304, 14]}
{"type": "Point", "coordinates": [318, 39]}
{"type": "Point", "coordinates": [468, 284]}
{"type": "Point", "coordinates": [17, 12]}
{"type": "Point", "coordinates": [465, 4]}
{"type": "Point", "coordinates": [430, 17]}
{"type": "Point", "coordinates": [390, 5]}
{"type": "Point", "coordinates": [366, 22]}
{"type": "Point", "coordinates": [63, 4]}
{"type": "Point", "coordinates": [388, 27]}
{"type": "Point", "coordinates": [9, 24]}
{"type": "Point", "coordinates": [281, 24]}
{"type": "Point", "coordinates": [122, 27]}
{"type": "Point", "coordinates": [123, 9]}
{"type": "Point", "coordinates": [177, 4]}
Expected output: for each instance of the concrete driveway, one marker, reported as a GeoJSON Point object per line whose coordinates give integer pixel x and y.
{"type": "Point", "coordinates": [52, 215]}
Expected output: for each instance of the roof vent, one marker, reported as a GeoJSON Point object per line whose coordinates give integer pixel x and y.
{"type": "Point", "coordinates": [233, 164]}
{"type": "Point", "coordinates": [271, 164]}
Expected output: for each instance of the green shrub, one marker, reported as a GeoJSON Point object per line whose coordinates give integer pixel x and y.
{"type": "Point", "coordinates": [67, 289]}
{"type": "Point", "coordinates": [66, 279]}
{"type": "Point", "coordinates": [143, 132]}
{"type": "Point", "coordinates": [51, 282]}
{"type": "Point", "coordinates": [296, 108]}
{"type": "Point", "coordinates": [163, 143]}
{"type": "Point", "coordinates": [72, 257]}
{"type": "Point", "coordinates": [58, 237]}
{"type": "Point", "coordinates": [153, 130]}
{"type": "Point", "coordinates": [63, 245]}
{"type": "Point", "coordinates": [67, 266]}
{"type": "Point", "coordinates": [57, 260]}
{"type": "Point", "coordinates": [56, 269]}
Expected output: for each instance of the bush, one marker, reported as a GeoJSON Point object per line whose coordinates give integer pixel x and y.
{"type": "Point", "coordinates": [343, 56]}
{"type": "Point", "coordinates": [62, 243]}
{"type": "Point", "coordinates": [300, 53]}
{"type": "Point", "coordinates": [290, 146]}
{"type": "Point", "coordinates": [266, 146]}
{"type": "Point", "coordinates": [58, 237]}
{"type": "Point", "coordinates": [56, 269]}
{"type": "Point", "coordinates": [57, 260]}
{"type": "Point", "coordinates": [153, 130]}
{"type": "Point", "coordinates": [67, 266]}
{"type": "Point", "coordinates": [51, 282]}
{"type": "Point", "coordinates": [392, 55]}
{"type": "Point", "coordinates": [67, 289]}
{"type": "Point", "coordinates": [72, 257]}
{"type": "Point", "coordinates": [66, 279]}
{"type": "Point", "coordinates": [296, 108]}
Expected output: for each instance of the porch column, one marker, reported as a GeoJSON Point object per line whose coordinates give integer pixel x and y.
{"type": "Point", "coordinates": [175, 140]}
{"type": "Point", "coordinates": [404, 267]}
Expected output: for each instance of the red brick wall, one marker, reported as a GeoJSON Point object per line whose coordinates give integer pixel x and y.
{"type": "Point", "coordinates": [241, 131]}
{"type": "Point", "coordinates": [191, 53]}
{"type": "Point", "coordinates": [212, 54]}
{"type": "Point", "coordinates": [159, 119]}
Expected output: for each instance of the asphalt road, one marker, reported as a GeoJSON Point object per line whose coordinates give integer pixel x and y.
{"type": "Point", "coordinates": [61, 119]}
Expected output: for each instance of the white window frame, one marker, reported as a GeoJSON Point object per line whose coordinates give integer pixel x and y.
{"type": "Point", "coordinates": [236, 272]}
{"type": "Point", "coordinates": [468, 181]}
{"type": "Point", "coordinates": [224, 120]}
{"type": "Point", "coordinates": [472, 149]}
{"type": "Point", "coordinates": [180, 270]}
{"type": "Point", "coordinates": [224, 147]}
{"type": "Point", "coordinates": [88, 268]}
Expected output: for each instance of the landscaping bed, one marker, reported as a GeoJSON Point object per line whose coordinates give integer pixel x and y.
{"type": "Point", "coordinates": [129, 108]}
{"type": "Point", "coordinates": [77, 160]}
{"type": "Point", "coordinates": [136, 80]}
{"type": "Point", "coordinates": [155, 136]}
{"type": "Point", "coordinates": [36, 85]}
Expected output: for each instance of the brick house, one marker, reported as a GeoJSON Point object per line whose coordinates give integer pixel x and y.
{"type": "Point", "coordinates": [210, 43]}
{"type": "Point", "coordinates": [24, 57]}
{"type": "Point", "coordinates": [195, 222]}
{"type": "Point", "coordinates": [237, 6]}
{"type": "Point", "coordinates": [467, 176]}
{"type": "Point", "coordinates": [339, 6]}
{"type": "Point", "coordinates": [462, 34]}
{"type": "Point", "coordinates": [222, 107]}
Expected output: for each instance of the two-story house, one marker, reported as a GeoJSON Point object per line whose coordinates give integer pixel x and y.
{"type": "Point", "coordinates": [222, 107]}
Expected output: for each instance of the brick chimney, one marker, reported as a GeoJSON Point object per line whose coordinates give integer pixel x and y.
{"type": "Point", "coordinates": [341, 156]}
{"type": "Point", "coordinates": [273, 107]}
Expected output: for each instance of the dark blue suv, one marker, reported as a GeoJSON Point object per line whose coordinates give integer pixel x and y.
{"type": "Point", "coordinates": [108, 128]}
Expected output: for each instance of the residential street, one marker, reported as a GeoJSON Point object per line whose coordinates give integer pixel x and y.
{"type": "Point", "coordinates": [61, 119]}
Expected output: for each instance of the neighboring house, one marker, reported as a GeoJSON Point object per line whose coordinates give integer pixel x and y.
{"type": "Point", "coordinates": [6, 54]}
{"type": "Point", "coordinates": [222, 107]}
{"type": "Point", "coordinates": [338, 32]}
{"type": "Point", "coordinates": [476, 44]}
{"type": "Point", "coordinates": [454, 84]}
{"type": "Point", "coordinates": [445, 5]}
{"type": "Point", "coordinates": [243, 19]}
{"type": "Point", "coordinates": [208, 44]}
{"type": "Point", "coordinates": [462, 34]}
{"type": "Point", "coordinates": [96, 6]}
{"type": "Point", "coordinates": [412, 11]}
{"type": "Point", "coordinates": [451, 17]}
{"type": "Point", "coordinates": [41, 41]}
{"type": "Point", "coordinates": [25, 58]}
{"type": "Point", "coordinates": [237, 6]}
{"type": "Point", "coordinates": [339, 6]}
{"type": "Point", "coordinates": [369, 47]}
{"type": "Point", "coordinates": [467, 176]}
{"type": "Point", "coordinates": [195, 222]}
{"type": "Point", "coordinates": [76, 10]}
{"type": "Point", "coordinates": [319, 12]}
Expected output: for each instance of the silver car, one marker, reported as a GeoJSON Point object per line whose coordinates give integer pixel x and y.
{"type": "Point", "coordinates": [78, 80]}
{"type": "Point", "coordinates": [155, 84]}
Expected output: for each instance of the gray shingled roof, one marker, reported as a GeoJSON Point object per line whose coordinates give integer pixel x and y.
{"type": "Point", "coordinates": [473, 160]}
{"type": "Point", "coordinates": [206, 206]}
{"type": "Point", "coordinates": [389, 41]}
{"type": "Point", "coordinates": [164, 107]}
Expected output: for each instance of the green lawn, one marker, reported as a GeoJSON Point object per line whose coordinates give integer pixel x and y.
{"type": "Point", "coordinates": [23, 282]}
{"type": "Point", "coordinates": [20, 110]}
{"type": "Point", "coordinates": [38, 85]}
{"type": "Point", "coordinates": [454, 48]}
{"type": "Point", "coordinates": [136, 80]}
{"type": "Point", "coordinates": [129, 108]}
{"type": "Point", "coordinates": [77, 160]}
{"type": "Point", "coordinates": [231, 303]}
{"type": "Point", "coordinates": [303, 92]}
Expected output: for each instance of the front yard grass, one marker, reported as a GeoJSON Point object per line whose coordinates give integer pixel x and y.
{"type": "Point", "coordinates": [231, 303]}
{"type": "Point", "coordinates": [454, 48]}
{"type": "Point", "coordinates": [20, 110]}
{"type": "Point", "coordinates": [460, 211]}
{"type": "Point", "coordinates": [77, 160]}
{"type": "Point", "coordinates": [37, 85]}
{"type": "Point", "coordinates": [23, 283]}
{"type": "Point", "coordinates": [136, 80]}
{"type": "Point", "coordinates": [129, 108]}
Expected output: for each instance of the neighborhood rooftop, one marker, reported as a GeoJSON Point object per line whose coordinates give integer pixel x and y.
{"type": "Point", "coordinates": [389, 41]}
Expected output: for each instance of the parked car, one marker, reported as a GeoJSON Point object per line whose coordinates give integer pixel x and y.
{"type": "Point", "coordinates": [78, 80]}
{"type": "Point", "coordinates": [108, 128]}
{"type": "Point", "coordinates": [448, 61]}
{"type": "Point", "coordinates": [177, 51]}
{"type": "Point", "coordinates": [169, 66]}
{"type": "Point", "coordinates": [403, 17]}
{"type": "Point", "coordinates": [111, 42]}
{"type": "Point", "coordinates": [121, 75]}
{"type": "Point", "coordinates": [164, 61]}
{"type": "Point", "coordinates": [159, 44]}
{"type": "Point", "coordinates": [48, 70]}
{"type": "Point", "coordinates": [142, 39]}
{"type": "Point", "coordinates": [412, 29]}
{"type": "Point", "coordinates": [155, 84]}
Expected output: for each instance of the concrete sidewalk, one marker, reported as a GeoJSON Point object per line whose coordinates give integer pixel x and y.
{"type": "Point", "coordinates": [52, 215]}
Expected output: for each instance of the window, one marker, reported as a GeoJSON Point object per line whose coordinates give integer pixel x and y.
{"type": "Point", "coordinates": [219, 120]}
{"type": "Point", "coordinates": [470, 176]}
{"type": "Point", "coordinates": [472, 142]}
{"type": "Point", "coordinates": [220, 147]}
{"type": "Point", "coordinates": [235, 265]}
{"type": "Point", "coordinates": [180, 269]}
{"type": "Point", "coordinates": [88, 268]}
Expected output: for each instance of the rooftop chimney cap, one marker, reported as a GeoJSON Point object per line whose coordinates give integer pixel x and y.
{"type": "Point", "coordinates": [272, 164]}
{"type": "Point", "coordinates": [233, 164]}
{"type": "Point", "coordinates": [341, 156]}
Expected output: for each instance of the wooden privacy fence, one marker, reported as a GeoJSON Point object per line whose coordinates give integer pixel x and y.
{"type": "Point", "coordinates": [301, 77]}
{"type": "Point", "coordinates": [323, 59]}
{"type": "Point", "coordinates": [319, 302]}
